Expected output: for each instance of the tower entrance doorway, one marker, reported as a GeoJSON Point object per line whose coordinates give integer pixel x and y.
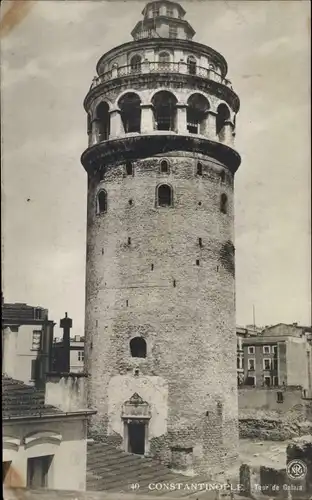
{"type": "Point", "coordinates": [136, 438]}
{"type": "Point", "coordinates": [136, 415]}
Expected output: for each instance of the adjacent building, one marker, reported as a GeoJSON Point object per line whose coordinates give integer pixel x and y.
{"type": "Point", "coordinates": [44, 444]}
{"type": "Point", "coordinates": [241, 334]}
{"type": "Point", "coordinates": [44, 413]}
{"type": "Point", "coordinates": [281, 355]}
{"type": "Point", "coordinates": [27, 335]}
{"type": "Point", "coordinates": [76, 353]}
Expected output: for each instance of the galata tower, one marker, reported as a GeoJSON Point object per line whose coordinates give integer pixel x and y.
{"type": "Point", "coordinates": [160, 270]}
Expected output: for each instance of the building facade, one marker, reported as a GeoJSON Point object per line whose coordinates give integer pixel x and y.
{"type": "Point", "coordinates": [44, 446]}
{"type": "Point", "coordinates": [27, 336]}
{"type": "Point", "coordinates": [160, 306]}
{"type": "Point", "coordinates": [280, 356]}
{"type": "Point", "coordinates": [76, 353]}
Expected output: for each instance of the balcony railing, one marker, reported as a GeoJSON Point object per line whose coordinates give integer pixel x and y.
{"type": "Point", "coordinates": [147, 67]}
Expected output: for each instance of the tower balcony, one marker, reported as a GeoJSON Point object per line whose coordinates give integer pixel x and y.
{"type": "Point", "coordinates": [159, 67]}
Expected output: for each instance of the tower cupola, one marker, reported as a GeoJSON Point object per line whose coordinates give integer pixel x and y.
{"type": "Point", "coordinates": [163, 19]}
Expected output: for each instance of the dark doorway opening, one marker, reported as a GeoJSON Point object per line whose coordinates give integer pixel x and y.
{"type": "Point", "coordinates": [136, 433]}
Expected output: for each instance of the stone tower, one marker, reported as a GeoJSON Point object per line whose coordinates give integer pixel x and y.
{"type": "Point", "coordinates": [160, 290]}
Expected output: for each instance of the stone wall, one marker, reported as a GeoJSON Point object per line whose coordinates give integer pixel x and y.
{"type": "Point", "coordinates": [176, 293]}
{"type": "Point", "coordinates": [262, 417]}
{"type": "Point", "coordinates": [264, 398]}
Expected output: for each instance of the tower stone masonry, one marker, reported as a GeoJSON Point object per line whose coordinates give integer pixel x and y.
{"type": "Point", "coordinates": [160, 271]}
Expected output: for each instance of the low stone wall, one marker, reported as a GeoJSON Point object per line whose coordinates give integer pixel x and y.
{"type": "Point", "coordinates": [264, 398]}
{"type": "Point", "coordinates": [273, 429]}
{"type": "Point", "coordinates": [262, 417]}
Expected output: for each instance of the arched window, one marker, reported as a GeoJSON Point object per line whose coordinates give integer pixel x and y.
{"type": "Point", "coordinates": [165, 110]}
{"type": "Point", "coordinates": [129, 168]}
{"type": "Point", "coordinates": [89, 124]}
{"type": "Point", "coordinates": [222, 116]}
{"type": "Point", "coordinates": [197, 110]}
{"type": "Point", "coordinates": [101, 202]}
{"type": "Point", "coordinates": [164, 195]}
{"type": "Point", "coordinates": [191, 65]}
{"type": "Point", "coordinates": [164, 167]}
{"type": "Point", "coordinates": [164, 61]}
{"type": "Point", "coordinates": [135, 64]}
{"type": "Point", "coordinates": [130, 110]}
{"type": "Point", "coordinates": [224, 203]}
{"type": "Point", "coordinates": [199, 169]}
{"type": "Point", "coordinates": [103, 118]}
{"type": "Point", "coordinates": [138, 347]}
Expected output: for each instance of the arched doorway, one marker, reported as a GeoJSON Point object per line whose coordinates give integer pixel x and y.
{"type": "Point", "coordinates": [197, 109]}
{"type": "Point", "coordinates": [130, 111]}
{"type": "Point", "coordinates": [165, 110]}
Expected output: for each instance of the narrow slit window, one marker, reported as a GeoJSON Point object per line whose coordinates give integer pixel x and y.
{"type": "Point", "coordinates": [164, 167]}
{"type": "Point", "coordinates": [89, 123]}
{"type": "Point", "coordinates": [199, 169]}
{"type": "Point", "coordinates": [197, 262]}
{"type": "Point", "coordinates": [129, 168]}
{"type": "Point", "coordinates": [200, 242]}
{"type": "Point", "coordinates": [102, 202]}
{"type": "Point", "coordinates": [129, 241]}
{"type": "Point", "coordinates": [224, 204]}
{"type": "Point", "coordinates": [164, 195]}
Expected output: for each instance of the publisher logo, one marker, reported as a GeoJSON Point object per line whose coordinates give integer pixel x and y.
{"type": "Point", "coordinates": [296, 469]}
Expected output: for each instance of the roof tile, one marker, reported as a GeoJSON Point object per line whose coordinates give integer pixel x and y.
{"type": "Point", "coordinates": [19, 399]}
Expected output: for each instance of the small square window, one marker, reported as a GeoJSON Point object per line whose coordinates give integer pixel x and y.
{"type": "Point", "coordinates": [80, 355]}
{"type": "Point", "coordinates": [251, 349]}
{"type": "Point", "coordinates": [38, 313]}
{"type": "Point", "coordinates": [280, 397]}
{"type": "Point", "coordinates": [251, 364]}
{"type": "Point", "coordinates": [36, 340]}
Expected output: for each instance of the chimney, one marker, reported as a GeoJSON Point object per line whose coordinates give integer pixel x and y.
{"type": "Point", "coordinates": [64, 389]}
{"type": "Point", "coordinates": [66, 324]}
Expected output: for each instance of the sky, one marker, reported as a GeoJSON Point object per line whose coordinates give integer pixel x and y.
{"type": "Point", "coordinates": [49, 50]}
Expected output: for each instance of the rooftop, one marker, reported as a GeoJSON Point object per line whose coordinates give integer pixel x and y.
{"type": "Point", "coordinates": [21, 400]}
{"type": "Point", "coordinates": [19, 313]}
